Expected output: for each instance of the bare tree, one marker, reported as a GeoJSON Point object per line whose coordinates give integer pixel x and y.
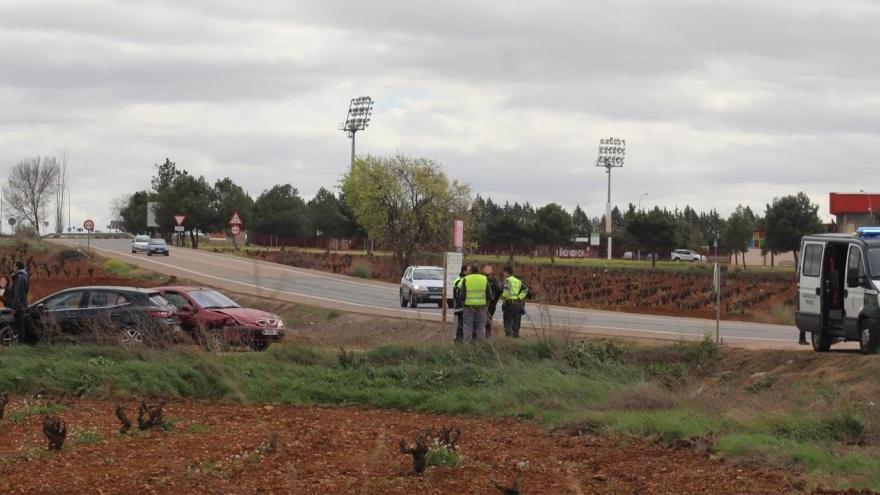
{"type": "Point", "coordinates": [31, 185]}
{"type": "Point", "coordinates": [61, 193]}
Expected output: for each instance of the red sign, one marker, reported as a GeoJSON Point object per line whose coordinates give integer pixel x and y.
{"type": "Point", "coordinates": [89, 225]}
{"type": "Point", "coordinates": [236, 230]}
{"type": "Point", "coordinates": [458, 235]}
{"type": "Point", "coordinates": [235, 219]}
{"type": "Point", "coordinates": [179, 219]}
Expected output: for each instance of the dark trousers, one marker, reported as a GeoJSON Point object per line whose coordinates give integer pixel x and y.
{"type": "Point", "coordinates": [23, 327]}
{"type": "Point", "coordinates": [513, 311]}
{"type": "Point", "coordinates": [491, 314]}
{"type": "Point", "coordinates": [459, 325]}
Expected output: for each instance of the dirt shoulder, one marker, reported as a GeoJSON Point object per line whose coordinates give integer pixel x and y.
{"type": "Point", "coordinates": [219, 448]}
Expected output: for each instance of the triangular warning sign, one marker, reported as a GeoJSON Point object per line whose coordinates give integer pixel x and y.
{"type": "Point", "coordinates": [236, 219]}
{"type": "Point", "coordinates": [179, 219]}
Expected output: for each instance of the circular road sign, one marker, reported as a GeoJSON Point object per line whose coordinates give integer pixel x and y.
{"type": "Point", "coordinates": [89, 225]}
{"type": "Point", "coordinates": [235, 230]}
{"type": "Point", "coordinates": [11, 221]}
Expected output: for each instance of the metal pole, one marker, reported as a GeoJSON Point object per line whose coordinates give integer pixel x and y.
{"type": "Point", "coordinates": [352, 149]}
{"type": "Point", "coordinates": [718, 306]}
{"type": "Point", "coordinates": [608, 222]}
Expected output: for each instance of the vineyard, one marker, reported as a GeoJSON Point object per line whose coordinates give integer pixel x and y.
{"type": "Point", "coordinates": [746, 295]}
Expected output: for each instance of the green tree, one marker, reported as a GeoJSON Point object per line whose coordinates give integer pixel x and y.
{"type": "Point", "coordinates": [404, 203]}
{"type": "Point", "coordinates": [165, 175]}
{"type": "Point", "coordinates": [787, 220]}
{"type": "Point", "coordinates": [227, 198]}
{"type": "Point", "coordinates": [655, 231]}
{"type": "Point", "coordinates": [189, 196]}
{"type": "Point", "coordinates": [133, 213]}
{"type": "Point", "coordinates": [280, 211]}
{"type": "Point", "coordinates": [738, 231]}
{"type": "Point", "coordinates": [582, 225]}
{"type": "Point", "coordinates": [326, 216]}
{"type": "Point", "coordinates": [553, 227]}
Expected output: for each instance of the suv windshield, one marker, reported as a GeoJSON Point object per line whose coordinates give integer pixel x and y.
{"type": "Point", "coordinates": [428, 274]}
{"type": "Point", "coordinates": [212, 299]}
{"type": "Point", "coordinates": [874, 262]}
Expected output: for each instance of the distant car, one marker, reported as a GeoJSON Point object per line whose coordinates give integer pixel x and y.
{"type": "Point", "coordinates": [686, 255]}
{"type": "Point", "coordinates": [158, 246]}
{"type": "Point", "coordinates": [627, 255]}
{"type": "Point", "coordinates": [140, 244]}
{"type": "Point", "coordinates": [421, 284]}
{"type": "Point", "coordinates": [129, 311]}
{"type": "Point", "coordinates": [224, 322]}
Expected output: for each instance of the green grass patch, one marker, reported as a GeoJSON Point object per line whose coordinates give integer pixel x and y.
{"type": "Point", "coordinates": [88, 436]}
{"type": "Point", "coordinates": [19, 415]}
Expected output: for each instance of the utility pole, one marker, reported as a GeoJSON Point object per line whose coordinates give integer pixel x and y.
{"type": "Point", "coordinates": [612, 152]}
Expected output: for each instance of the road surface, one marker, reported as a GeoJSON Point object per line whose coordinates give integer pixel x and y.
{"type": "Point", "coordinates": [352, 294]}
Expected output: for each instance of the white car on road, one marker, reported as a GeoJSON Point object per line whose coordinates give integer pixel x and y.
{"type": "Point", "coordinates": [686, 255]}
{"type": "Point", "coordinates": [421, 284]}
{"type": "Point", "coordinates": [140, 244]}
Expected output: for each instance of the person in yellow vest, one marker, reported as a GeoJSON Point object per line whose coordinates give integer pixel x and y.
{"type": "Point", "coordinates": [457, 304]}
{"type": "Point", "coordinates": [475, 295]}
{"type": "Point", "coordinates": [513, 307]}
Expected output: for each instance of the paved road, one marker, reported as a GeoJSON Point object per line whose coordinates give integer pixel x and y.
{"type": "Point", "coordinates": [352, 294]}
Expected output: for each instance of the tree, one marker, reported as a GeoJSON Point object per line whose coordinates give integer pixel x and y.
{"type": "Point", "coordinates": [506, 230]}
{"type": "Point", "coordinates": [31, 185]}
{"type": "Point", "coordinates": [189, 196]}
{"type": "Point", "coordinates": [132, 210]}
{"type": "Point", "coordinates": [553, 227]}
{"type": "Point", "coordinates": [228, 197]}
{"type": "Point", "coordinates": [787, 220]}
{"type": "Point", "coordinates": [165, 175]}
{"type": "Point", "coordinates": [61, 194]}
{"type": "Point", "coordinates": [404, 203]}
{"type": "Point", "coordinates": [738, 231]}
{"type": "Point", "coordinates": [280, 211]}
{"type": "Point", "coordinates": [326, 218]}
{"type": "Point", "coordinates": [582, 225]}
{"type": "Point", "coordinates": [654, 230]}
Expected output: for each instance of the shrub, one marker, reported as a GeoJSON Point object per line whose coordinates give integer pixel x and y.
{"type": "Point", "coordinates": [442, 456]}
{"type": "Point", "coordinates": [582, 354]}
{"type": "Point", "coordinates": [361, 271]}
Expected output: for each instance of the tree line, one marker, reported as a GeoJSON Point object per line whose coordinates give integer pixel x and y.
{"type": "Point", "coordinates": [408, 205]}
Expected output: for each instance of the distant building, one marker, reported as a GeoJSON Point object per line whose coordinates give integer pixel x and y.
{"type": "Point", "coordinates": [854, 210]}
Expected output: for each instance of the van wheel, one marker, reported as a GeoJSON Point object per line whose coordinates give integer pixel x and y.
{"type": "Point", "coordinates": [820, 341]}
{"type": "Point", "coordinates": [869, 342]}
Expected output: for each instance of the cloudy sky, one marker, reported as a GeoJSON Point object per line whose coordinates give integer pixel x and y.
{"type": "Point", "coordinates": [721, 102]}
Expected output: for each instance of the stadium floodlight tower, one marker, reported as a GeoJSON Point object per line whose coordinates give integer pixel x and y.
{"type": "Point", "coordinates": [358, 119]}
{"type": "Point", "coordinates": [612, 151]}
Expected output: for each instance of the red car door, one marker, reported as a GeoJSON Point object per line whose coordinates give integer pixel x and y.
{"type": "Point", "coordinates": [187, 311]}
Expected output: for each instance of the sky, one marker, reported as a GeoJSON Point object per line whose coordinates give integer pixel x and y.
{"type": "Point", "coordinates": [720, 102]}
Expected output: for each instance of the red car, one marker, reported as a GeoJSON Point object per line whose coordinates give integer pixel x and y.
{"type": "Point", "coordinates": [222, 320]}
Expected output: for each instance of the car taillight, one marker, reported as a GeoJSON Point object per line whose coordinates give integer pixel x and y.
{"type": "Point", "coordinates": [161, 313]}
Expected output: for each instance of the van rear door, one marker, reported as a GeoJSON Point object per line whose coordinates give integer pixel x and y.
{"type": "Point", "coordinates": [855, 288]}
{"type": "Point", "coordinates": [810, 300]}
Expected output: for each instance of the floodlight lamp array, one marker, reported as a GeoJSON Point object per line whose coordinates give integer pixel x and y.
{"type": "Point", "coordinates": [612, 152]}
{"type": "Point", "coordinates": [359, 112]}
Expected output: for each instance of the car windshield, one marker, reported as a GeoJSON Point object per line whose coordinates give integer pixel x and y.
{"type": "Point", "coordinates": [141, 238]}
{"type": "Point", "coordinates": [157, 241]}
{"type": "Point", "coordinates": [212, 299]}
{"type": "Point", "coordinates": [428, 274]}
{"type": "Point", "coordinates": [874, 262]}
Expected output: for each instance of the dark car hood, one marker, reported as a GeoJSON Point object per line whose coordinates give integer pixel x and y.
{"type": "Point", "coordinates": [246, 316]}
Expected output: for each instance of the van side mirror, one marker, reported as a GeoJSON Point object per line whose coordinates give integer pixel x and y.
{"type": "Point", "coordinates": [853, 279]}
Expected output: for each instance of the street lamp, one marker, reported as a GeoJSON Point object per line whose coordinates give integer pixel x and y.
{"type": "Point", "coordinates": [870, 209]}
{"type": "Point", "coordinates": [358, 119]}
{"type": "Point", "coordinates": [612, 151]}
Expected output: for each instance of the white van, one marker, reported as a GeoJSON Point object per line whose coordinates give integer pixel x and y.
{"type": "Point", "coordinates": [838, 281]}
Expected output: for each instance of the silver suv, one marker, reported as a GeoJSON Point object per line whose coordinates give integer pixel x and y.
{"type": "Point", "coordinates": [686, 255]}
{"type": "Point", "coordinates": [421, 284]}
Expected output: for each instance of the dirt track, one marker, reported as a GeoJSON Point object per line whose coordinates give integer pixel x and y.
{"type": "Point", "coordinates": [227, 449]}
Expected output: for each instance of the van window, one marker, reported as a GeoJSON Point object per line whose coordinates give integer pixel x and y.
{"type": "Point", "coordinates": [855, 260]}
{"type": "Point", "coordinates": [813, 260]}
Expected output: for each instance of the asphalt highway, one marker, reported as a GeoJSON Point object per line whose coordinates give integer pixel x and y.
{"type": "Point", "coordinates": [323, 289]}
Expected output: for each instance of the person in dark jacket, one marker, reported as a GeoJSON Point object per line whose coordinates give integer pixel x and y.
{"type": "Point", "coordinates": [458, 306]}
{"type": "Point", "coordinates": [497, 288]}
{"type": "Point", "coordinates": [18, 302]}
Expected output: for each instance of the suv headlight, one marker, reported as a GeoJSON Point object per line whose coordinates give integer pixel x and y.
{"type": "Point", "coordinates": [416, 287]}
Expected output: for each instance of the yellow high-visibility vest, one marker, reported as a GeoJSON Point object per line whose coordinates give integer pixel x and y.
{"type": "Point", "coordinates": [475, 286]}
{"type": "Point", "coordinates": [513, 290]}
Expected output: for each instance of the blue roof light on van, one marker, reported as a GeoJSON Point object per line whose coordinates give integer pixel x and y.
{"type": "Point", "coordinates": [868, 232]}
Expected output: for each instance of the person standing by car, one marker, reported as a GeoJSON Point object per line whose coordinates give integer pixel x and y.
{"type": "Point", "coordinates": [497, 287]}
{"type": "Point", "coordinates": [457, 305]}
{"type": "Point", "coordinates": [18, 301]}
{"type": "Point", "coordinates": [475, 294]}
{"type": "Point", "coordinates": [513, 307]}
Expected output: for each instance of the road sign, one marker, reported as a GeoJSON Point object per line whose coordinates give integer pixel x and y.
{"type": "Point", "coordinates": [452, 268]}
{"type": "Point", "coordinates": [235, 219]}
{"type": "Point", "coordinates": [458, 235]}
{"type": "Point", "coordinates": [179, 219]}
{"type": "Point", "coordinates": [179, 228]}
{"type": "Point", "coordinates": [236, 230]}
{"type": "Point", "coordinates": [11, 221]}
{"type": "Point", "coordinates": [89, 225]}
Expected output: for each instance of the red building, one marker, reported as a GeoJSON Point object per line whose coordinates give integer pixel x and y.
{"type": "Point", "coordinates": [854, 210]}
